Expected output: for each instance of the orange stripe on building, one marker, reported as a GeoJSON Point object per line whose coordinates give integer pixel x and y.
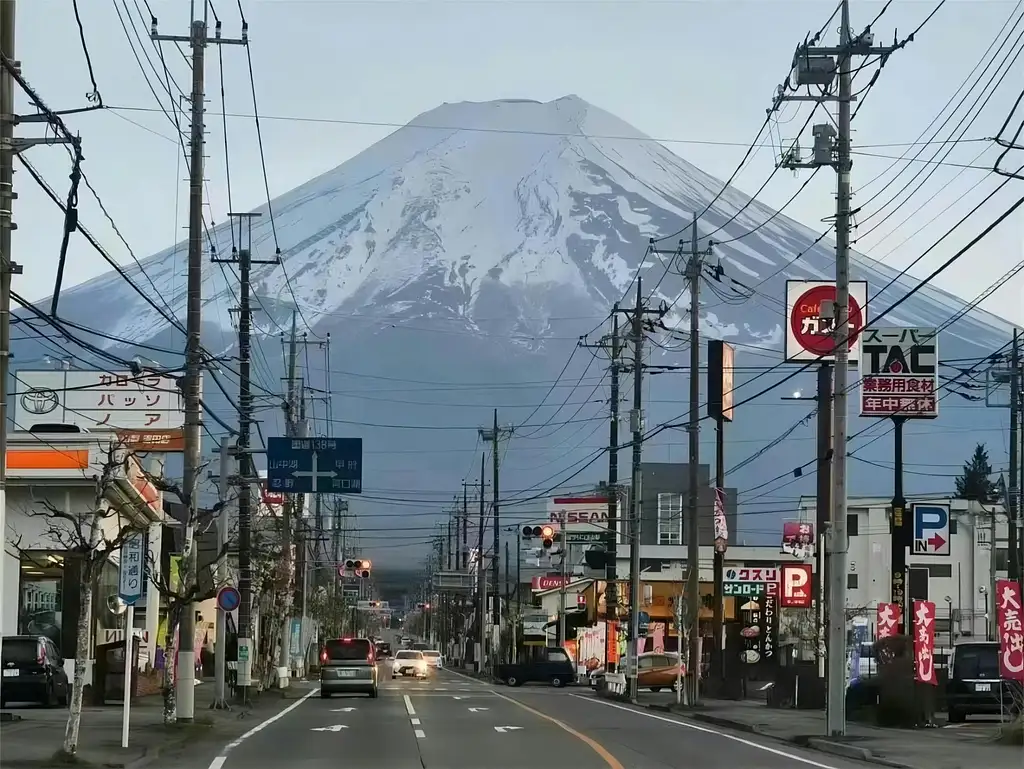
{"type": "Point", "coordinates": [47, 459]}
{"type": "Point", "coordinates": [148, 492]}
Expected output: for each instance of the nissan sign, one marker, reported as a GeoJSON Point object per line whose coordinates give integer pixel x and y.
{"type": "Point", "coordinates": [797, 581]}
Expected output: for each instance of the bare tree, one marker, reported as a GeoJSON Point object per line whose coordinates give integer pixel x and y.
{"type": "Point", "coordinates": [183, 589]}
{"type": "Point", "coordinates": [91, 536]}
{"type": "Point", "coordinates": [272, 583]}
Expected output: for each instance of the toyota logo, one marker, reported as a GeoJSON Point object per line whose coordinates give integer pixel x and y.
{"type": "Point", "coordinates": [39, 401]}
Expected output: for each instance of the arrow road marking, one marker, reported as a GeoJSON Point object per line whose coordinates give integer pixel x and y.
{"type": "Point", "coordinates": [504, 729]}
{"type": "Point", "coordinates": [476, 710]}
{"type": "Point", "coordinates": [343, 710]}
{"type": "Point", "coordinates": [335, 728]}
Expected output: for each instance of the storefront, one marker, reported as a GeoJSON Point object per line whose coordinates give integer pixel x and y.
{"type": "Point", "coordinates": [49, 483]}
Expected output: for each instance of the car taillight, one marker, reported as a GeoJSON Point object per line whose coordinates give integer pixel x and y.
{"type": "Point", "coordinates": [323, 656]}
{"type": "Point", "coordinates": [40, 655]}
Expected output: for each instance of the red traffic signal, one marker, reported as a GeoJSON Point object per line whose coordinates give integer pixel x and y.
{"type": "Point", "coordinates": [361, 568]}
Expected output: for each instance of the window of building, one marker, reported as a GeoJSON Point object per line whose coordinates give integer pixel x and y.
{"type": "Point", "coordinates": [670, 519]}
{"type": "Point", "coordinates": [940, 570]}
{"type": "Point", "coordinates": [851, 581]}
{"type": "Point", "coordinates": [1002, 559]}
{"type": "Point", "coordinates": [852, 524]}
{"type": "Point", "coordinates": [952, 525]}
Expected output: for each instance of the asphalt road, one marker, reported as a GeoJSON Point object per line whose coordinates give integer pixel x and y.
{"type": "Point", "coordinates": [453, 722]}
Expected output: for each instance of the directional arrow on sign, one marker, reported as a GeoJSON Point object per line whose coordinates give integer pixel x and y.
{"type": "Point", "coordinates": [343, 710]}
{"type": "Point", "coordinates": [504, 729]}
{"type": "Point", "coordinates": [335, 728]}
{"type": "Point", "coordinates": [476, 710]}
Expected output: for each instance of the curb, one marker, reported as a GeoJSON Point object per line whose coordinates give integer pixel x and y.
{"type": "Point", "coordinates": [819, 744]}
{"type": "Point", "coordinates": [152, 753]}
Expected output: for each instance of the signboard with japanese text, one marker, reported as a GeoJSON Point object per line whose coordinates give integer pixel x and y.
{"type": "Point", "coordinates": [721, 363]}
{"type": "Point", "coordinates": [721, 522]}
{"type": "Point", "coordinates": [759, 617]}
{"type": "Point", "coordinates": [809, 336]}
{"type": "Point", "coordinates": [1011, 631]}
{"type": "Point", "coordinates": [752, 574]}
{"type": "Point", "coordinates": [924, 643]}
{"type": "Point", "coordinates": [576, 515]}
{"type": "Point", "coordinates": [798, 539]}
{"type": "Point", "coordinates": [131, 573]}
{"type": "Point", "coordinates": [797, 579]}
{"type": "Point", "coordinates": [315, 465]}
{"type": "Point", "coordinates": [743, 589]}
{"type": "Point", "coordinates": [931, 528]}
{"type": "Point", "coordinates": [98, 400]}
{"type": "Point", "coordinates": [887, 620]}
{"type": "Point", "coordinates": [899, 372]}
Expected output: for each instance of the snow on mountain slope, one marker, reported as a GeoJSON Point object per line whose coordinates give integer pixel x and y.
{"type": "Point", "coordinates": [536, 196]}
{"type": "Point", "coordinates": [455, 263]}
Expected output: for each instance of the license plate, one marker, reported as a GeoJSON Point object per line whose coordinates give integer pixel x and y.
{"type": "Point", "coordinates": [983, 687]}
{"type": "Point", "coordinates": [12, 673]}
{"type": "Point", "coordinates": [346, 674]}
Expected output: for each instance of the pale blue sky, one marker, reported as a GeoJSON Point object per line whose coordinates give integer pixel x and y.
{"type": "Point", "coordinates": [683, 71]}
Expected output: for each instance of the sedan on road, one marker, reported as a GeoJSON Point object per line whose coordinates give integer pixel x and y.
{"type": "Point", "coordinates": [409, 663]}
{"type": "Point", "coordinates": [433, 659]}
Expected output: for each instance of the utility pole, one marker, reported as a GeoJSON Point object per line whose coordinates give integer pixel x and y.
{"type": "Point", "coordinates": [815, 65]}
{"type": "Point", "coordinates": [224, 477]}
{"type": "Point", "coordinates": [197, 40]}
{"type": "Point", "coordinates": [481, 576]}
{"type": "Point", "coordinates": [494, 435]}
{"type": "Point", "coordinates": [610, 344]}
{"type": "Point", "coordinates": [636, 418]}
{"type": "Point", "coordinates": [242, 255]}
{"type": "Point", "coordinates": [823, 510]}
{"type": "Point", "coordinates": [694, 267]}
{"type": "Point", "coordinates": [465, 527]}
{"type": "Point", "coordinates": [1013, 565]}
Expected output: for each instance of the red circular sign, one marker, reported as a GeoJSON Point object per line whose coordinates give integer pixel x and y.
{"type": "Point", "coordinates": [805, 320]}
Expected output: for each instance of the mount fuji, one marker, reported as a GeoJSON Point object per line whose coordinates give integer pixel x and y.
{"type": "Point", "coordinates": [455, 263]}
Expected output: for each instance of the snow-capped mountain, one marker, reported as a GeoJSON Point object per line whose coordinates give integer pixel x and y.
{"type": "Point", "coordinates": [468, 251]}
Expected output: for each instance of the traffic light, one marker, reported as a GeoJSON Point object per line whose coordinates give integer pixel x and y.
{"type": "Point", "coordinates": [374, 604]}
{"type": "Point", "coordinates": [547, 533]}
{"type": "Point", "coordinates": [358, 567]}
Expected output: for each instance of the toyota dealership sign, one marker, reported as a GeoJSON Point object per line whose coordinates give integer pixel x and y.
{"type": "Point", "coordinates": [809, 336]}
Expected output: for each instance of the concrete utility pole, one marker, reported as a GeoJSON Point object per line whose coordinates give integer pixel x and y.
{"type": "Point", "coordinates": [242, 255]}
{"type": "Point", "coordinates": [637, 316]}
{"type": "Point", "coordinates": [817, 66]}
{"type": "Point", "coordinates": [611, 345]}
{"type": "Point", "coordinates": [481, 577]}
{"type": "Point", "coordinates": [494, 435]}
{"type": "Point", "coordinates": [823, 510]}
{"type": "Point", "coordinates": [1013, 565]}
{"type": "Point", "coordinates": [224, 477]}
{"type": "Point", "coordinates": [694, 268]}
{"type": "Point", "coordinates": [197, 40]}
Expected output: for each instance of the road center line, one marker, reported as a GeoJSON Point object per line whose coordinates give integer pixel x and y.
{"type": "Point", "coordinates": [725, 735]}
{"type": "Point", "coordinates": [408, 705]}
{"type": "Point", "coordinates": [415, 721]}
{"type": "Point", "coordinates": [420, 734]}
{"type": "Point", "coordinates": [608, 758]}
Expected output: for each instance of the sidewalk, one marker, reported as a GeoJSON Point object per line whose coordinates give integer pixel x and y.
{"type": "Point", "coordinates": [970, 745]}
{"type": "Point", "coordinates": [32, 742]}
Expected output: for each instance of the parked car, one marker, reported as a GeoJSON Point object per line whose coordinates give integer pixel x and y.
{"type": "Point", "coordinates": [659, 670]}
{"type": "Point", "coordinates": [33, 671]}
{"type": "Point", "coordinates": [409, 663]}
{"type": "Point", "coordinates": [974, 686]}
{"type": "Point", "coordinates": [547, 665]}
{"type": "Point", "coordinates": [348, 665]}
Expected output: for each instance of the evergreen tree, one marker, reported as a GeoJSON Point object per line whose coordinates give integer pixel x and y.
{"type": "Point", "coordinates": [976, 481]}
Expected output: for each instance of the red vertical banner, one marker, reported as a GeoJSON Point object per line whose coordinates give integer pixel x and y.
{"type": "Point", "coordinates": [924, 643]}
{"type": "Point", "coordinates": [1011, 632]}
{"type": "Point", "coordinates": [887, 620]}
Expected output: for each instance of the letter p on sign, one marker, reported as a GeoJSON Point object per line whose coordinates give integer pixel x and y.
{"type": "Point", "coordinates": [796, 586]}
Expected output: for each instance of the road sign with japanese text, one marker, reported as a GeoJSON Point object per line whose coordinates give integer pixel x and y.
{"type": "Point", "coordinates": [899, 372]}
{"type": "Point", "coordinates": [315, 465]}
{"type": "Point", "coordinates": [809, 335]}
{"type": "Point", "coordinates": [131, 574]}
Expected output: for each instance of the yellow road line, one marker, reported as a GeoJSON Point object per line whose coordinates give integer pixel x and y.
{"type": "Point", "coordinates": [608, 758]}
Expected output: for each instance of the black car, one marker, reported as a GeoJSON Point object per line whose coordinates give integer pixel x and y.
{"type": "Point", "coordinates": [33, 671]}
{"type": "Point", "coordinates": [974, 686]}
{"type": "Point", "coordinates": [550, 665]}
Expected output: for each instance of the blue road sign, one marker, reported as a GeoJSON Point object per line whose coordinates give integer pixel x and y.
{"type": "Point", "coordinates": [315, 465]}
{"type": "Point", "coordinates": [131, 574]}
{"type": "Point", "coordinates": [228, 598]}
{"type": "Point", "coordinates": [931, 528]}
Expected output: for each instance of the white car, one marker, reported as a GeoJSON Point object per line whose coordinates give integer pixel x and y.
{"type": "Point", "coordinates": [408, 663]}
{"type": "Point", "coordinates": [433, 658]}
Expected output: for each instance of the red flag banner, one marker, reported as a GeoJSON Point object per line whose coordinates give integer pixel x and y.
{"type": "Point", "coordinates": [887, 620]}
{"type": "Point", "coordinates": [1011, 632]}
{"type": "Point", "coordinates": [924, 643]}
